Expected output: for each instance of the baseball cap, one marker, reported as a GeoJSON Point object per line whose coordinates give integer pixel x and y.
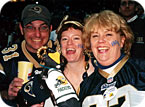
{"type": "Point", "coordinates": [34, 12]}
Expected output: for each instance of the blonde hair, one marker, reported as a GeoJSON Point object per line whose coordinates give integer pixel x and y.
{"type": "Point", "coordinates": [109, 20]}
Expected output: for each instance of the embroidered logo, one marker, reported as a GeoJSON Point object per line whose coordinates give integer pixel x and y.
{"type": "Point", "coordinates": [8, 57]}
{"type": "Point", "coordinates": [109, 80]}
{"type": "Point", "coordinates": [10, 49]}
{"type": "Point", "coordinates": [36, 9]}
{"type": "Point", "coordinates": [105, 86]}
{"type": "Point", "coordinates": [28, 88]}
{"type": "Point", "coordinates": [60, 81]}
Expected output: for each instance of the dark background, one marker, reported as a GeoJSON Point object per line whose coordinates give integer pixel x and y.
{"type": "Point", "coordinates": [11, 12]}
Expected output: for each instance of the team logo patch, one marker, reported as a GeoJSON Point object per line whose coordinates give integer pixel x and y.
{"type": "Point", "coordinates": [109, 80]}
{"type": "Point", "coordinates": [36, 9]}
{"type": "Point", "coordinates": [61, 81]}
{"type": "Point", "coordinates": [28, 89]}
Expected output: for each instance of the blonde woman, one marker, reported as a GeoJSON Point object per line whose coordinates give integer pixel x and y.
{"type": "Point", "coordinates": [108, 36]}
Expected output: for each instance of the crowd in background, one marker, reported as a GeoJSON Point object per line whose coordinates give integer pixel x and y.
{"type": "Point", "coordinates": [105, 30]}
{"type": "Point", "coordinates": [10, 14]}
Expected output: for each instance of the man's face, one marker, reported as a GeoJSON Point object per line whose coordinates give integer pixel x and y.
{"type": "Point", "coordinates": [127, 8]}
{"type": "Point", "coordinates": [36, 34]}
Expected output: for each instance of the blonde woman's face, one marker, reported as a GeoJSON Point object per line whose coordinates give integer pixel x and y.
{"type": "Point", "coordinates": [71, 45]}
{"type": "Point", "coordinates": [106, 46]}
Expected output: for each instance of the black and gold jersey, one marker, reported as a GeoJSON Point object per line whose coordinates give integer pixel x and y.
{"type": "Point", "coordinates": [101, 85]}
{"type": "Point", "coordinates": [9, 58]}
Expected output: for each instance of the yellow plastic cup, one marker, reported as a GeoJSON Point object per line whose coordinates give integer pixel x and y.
{"type": "Point", "coordinates": [24, 70]}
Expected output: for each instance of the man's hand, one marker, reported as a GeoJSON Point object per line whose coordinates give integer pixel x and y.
{"type": "Point", "coordinates": [38, 105]}
{"type": "Point", "coordinates": [14, 87]}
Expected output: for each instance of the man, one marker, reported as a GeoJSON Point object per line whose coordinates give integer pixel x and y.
{"type": "Point", "coordinates": [36, 28]}
{"type": "Point", "coordinates": [128, 9]}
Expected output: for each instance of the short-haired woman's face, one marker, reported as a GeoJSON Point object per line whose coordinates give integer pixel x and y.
{"type": "Point", "coordinates": [71, 45]}
{"type": "Point", "coordinates": [106, 46]}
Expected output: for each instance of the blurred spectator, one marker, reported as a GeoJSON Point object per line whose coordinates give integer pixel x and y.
{"type": "Point", "coordinates": [128, 9]}
{"type": "Point", "coordinates": [140, 11]}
